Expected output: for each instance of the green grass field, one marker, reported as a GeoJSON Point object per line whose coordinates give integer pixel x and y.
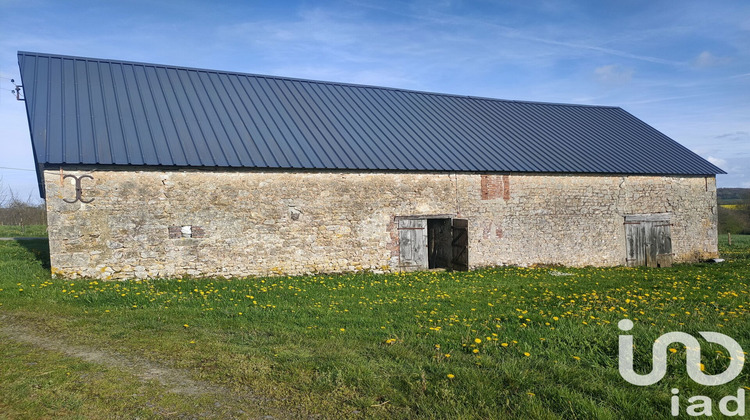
{"type": "Point", "coordinates": [33, 231]}
{"type": "Point", "coordinates": [497, 343]}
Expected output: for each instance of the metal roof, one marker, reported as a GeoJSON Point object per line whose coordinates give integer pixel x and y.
{"type": "Point", "coordinates": [107, 112]}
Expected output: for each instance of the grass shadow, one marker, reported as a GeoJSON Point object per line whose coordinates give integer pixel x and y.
{"type": "Point", "coordinates": [39, 248]}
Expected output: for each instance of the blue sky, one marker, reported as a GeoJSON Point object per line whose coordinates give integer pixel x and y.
{"type": "Point", "coordinates": [683, 67]}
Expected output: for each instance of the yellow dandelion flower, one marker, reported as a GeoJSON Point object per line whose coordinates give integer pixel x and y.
{"type": "Point", "coordinates": [450, 376]}
{"type": "Point", "coordinates": [527, 354]}
{"type": "Point", "coordinates": [504, 344]}
{"type": "Point", "coordinates": [477, 340]}
{"type": "Point", "coordinates": [475, 351]}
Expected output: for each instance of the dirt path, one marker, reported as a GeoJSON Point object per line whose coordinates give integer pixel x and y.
{"type": "Point", "coordinates": [173, 380]}
{"type": "Point", "coordinates": [229, 404]}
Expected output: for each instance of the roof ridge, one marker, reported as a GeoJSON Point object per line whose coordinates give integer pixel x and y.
{"type": "Point", "coordinates": [325, 82]}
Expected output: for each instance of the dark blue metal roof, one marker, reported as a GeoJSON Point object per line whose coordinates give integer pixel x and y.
{"type": "Point", "coordinates": [107, 112]}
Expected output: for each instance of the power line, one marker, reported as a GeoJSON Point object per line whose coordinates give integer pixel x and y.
{"type": "Point", "coordinates": [17, 169]}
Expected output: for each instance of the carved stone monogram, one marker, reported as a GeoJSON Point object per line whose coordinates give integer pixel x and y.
{"type": "Point", "coordinates": [79, 189]}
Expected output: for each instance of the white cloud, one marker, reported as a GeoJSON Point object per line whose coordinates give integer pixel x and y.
{"type": "Point", "coordinates": [742, 137]}
{"type": "Point", "coordinates": [717, 161]}
{"type": "Point", "coordinates": [707, 59]}
{"type": "Point", "coordinates": [613, 74]}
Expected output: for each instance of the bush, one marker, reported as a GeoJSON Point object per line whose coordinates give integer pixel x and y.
{"type": "Point", "coordinates": [18, 212]}
{"type": "Point", "coordinates": [735, 216]}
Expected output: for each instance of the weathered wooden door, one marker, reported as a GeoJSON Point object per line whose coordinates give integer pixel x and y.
{"type": "Point", "coordinates": [460, 245]}
{"type": "Point", "coordinates": [412, 236]}
{"type": "Point", "coordinates": [649, 240]}
{"type": "Point", "coordinates": [635, 236]}
{"type": "Point", "coordinates": [661, 239]}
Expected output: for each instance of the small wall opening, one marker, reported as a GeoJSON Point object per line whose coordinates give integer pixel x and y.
{"type": "Point", "coordinates": [186, 231]}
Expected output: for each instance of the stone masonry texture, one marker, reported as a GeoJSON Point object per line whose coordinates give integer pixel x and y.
{"type": "Point", "coordinates": [166, 223]}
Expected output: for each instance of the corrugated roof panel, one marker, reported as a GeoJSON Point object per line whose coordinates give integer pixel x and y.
{"type": "Point", "coordinates": [192, 122]}
{"type": "Point", "coordinates": [34, 109]}
{"type": "Point", "coordinates": [410, 146]}
{"type": "Point", "coordinates": [211, 107]}
{"type": "Point", "coordinates": [124, 117]}
{"type": "Point", "coordinates": [179, 141]}
{"type": "Point", "coordinates": [56, 118]}
{"type": "Point", "coordinates": [500, 124]}
{"type": "Point", "coordinates": [85, 123]}
{"type": "Point", "coordinates": [359, 141]}
{"type": "Point", "coordinates": [432, 125]}
{"type": "Point", "coordinates": [574, 141]}
{"type": "Point", "coordinates": [286, 134]}
{"type": "Point", "coordinates": [72, 149]}
{"type": "Point", "coordinates": [375, 142]}
{"type": "Point", "coordinates": [231, 122]}
{"type": "Point", "coordinates": [343, 157]}
{"type": "Point", "coordinates": [435, 144]}
{"type": "Point", "coordinates": [136, 99]}
{"type": "Point", "coordinates": [307, 125]}
{"type": "Point", "coordinates": [473, 130]}
{"type": "Point", "coordinates": [244, 125]}
{"type": "Point", "coordinates": [367, 115]}
{"type": "Point", "coordinates": [100, 132]}
{"type": "Point", "coordinates": [91, 111]}
{"type": "Point", "coordinates": [157, 122]}
{"type": "Point", "coordinates": [275, 154]}
{"type": "Point", "coordinates": [303, 152]}
{"type": "Point", "coordinates": [117, 138]}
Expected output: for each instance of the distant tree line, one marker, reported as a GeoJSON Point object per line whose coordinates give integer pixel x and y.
{"type": "Point", "coordinates": [734, 210]}
{"type": "Point", "coordinates": [17, 211]}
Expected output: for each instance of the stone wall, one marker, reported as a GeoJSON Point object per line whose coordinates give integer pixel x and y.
{"type": "Point", "coordinates": [153, 223]}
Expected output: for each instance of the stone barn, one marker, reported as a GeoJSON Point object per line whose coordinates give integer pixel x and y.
{"type": "Point", "coordinates": [158, 171]}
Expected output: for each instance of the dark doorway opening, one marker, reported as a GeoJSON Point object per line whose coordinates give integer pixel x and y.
{"type": "Point", "coordinates": [439, 243]}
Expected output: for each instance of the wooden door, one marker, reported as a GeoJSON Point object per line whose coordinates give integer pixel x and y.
{"type": "Point", "coordinates": [460, 245]}
{"type": "Point", "coordinates": [648, 240]}
{"type": "Point", "coordinates": [636, 244]}
{"type": "Point", "coordinates": [661, 241]}
{"type": "Point", "coordinates": [412, 236]}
